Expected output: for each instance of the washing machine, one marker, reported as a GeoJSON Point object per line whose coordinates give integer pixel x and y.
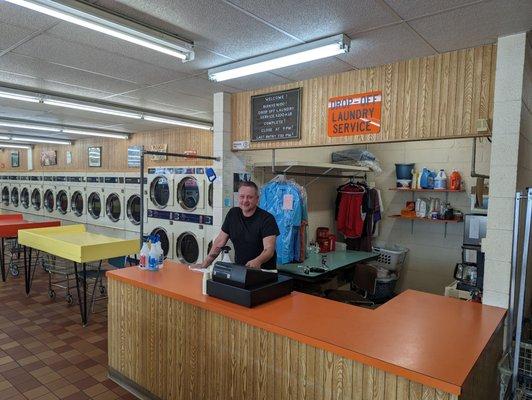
{"type": "Point", "coordinates": [161, 189]}
{"type": "Point", "coordinates": [62, 196]}
{"type": "Point", "coordinates": [95, 200]}
{"type": "Point", "coordinates": [191, 190]}
{"type": "Point", "coordinates": [132, 201]}
{"type": "Point", "coordinates": [36, 194]}
{"type": "Point", "coordinates": [77, 193]}
{"type": "Point", "coordinates": [114, 202]}
{"type": "Point", "coordinates": [189, 246]}
{"type": "Point", "coordinates": [14, 194]}
{"type": "Point", "coordinates": [48, 195]}
{"type": "Point", "coordinates": [24, 195]}
{"type": "Point", "coordinates": [4, 191]}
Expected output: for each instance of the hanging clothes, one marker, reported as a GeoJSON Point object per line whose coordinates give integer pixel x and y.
{"type": "Point", "coordinates": [349, 217]}
{"type": "Point", "coordinates": [371, 208]}
{"type": "Point", "coordinates": [287, 202]}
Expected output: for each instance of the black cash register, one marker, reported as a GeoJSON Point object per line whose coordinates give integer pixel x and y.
{"type": "Point", "coordinates": [246, 286]}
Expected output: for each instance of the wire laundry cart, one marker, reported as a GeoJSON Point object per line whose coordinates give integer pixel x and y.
{"type": "Point", "coordinates": [15, 254]}
{"type": "Point", "coordinates": [62, 275]}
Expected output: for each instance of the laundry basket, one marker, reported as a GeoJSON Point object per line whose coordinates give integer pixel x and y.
{"type": "Point", "coordinates": [391, 257]}
{"type": "Point", "coordinates": [524, 380]}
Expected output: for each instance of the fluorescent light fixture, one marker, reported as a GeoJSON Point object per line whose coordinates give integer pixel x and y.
{"type": "Point", "coordinates": [23, 125]}
{"type": "Point", "coordinates": [171, 121]}
{"type": "Point", "coordinates": [86, 107]}
{"type": "Point", "coordinates": [15, 146]}
{"type": "Point", "coordinates": [21, 97]}
{"type": "Point", "coordinates": [39, 140]}
{"type": "Point", "coordinates": [319, 49]}
{"type": "Point", "coordinates": [110, 24]}
{"type": "Point", "coordinates": [4, 137]}
{"type": "Point", "coordinates": [98, 134]}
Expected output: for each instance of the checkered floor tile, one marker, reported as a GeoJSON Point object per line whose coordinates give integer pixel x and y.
{"type": "Point", "coordinates": [45, 353]}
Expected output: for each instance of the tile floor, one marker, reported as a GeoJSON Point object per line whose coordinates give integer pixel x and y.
{"type": "Point", "coordinates": [45, 353]}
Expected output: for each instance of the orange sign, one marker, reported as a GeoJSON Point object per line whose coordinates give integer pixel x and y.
{"type": "Point", "coordinates": [357, 114]}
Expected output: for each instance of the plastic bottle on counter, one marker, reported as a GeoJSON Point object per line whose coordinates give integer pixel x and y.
{"type": "Point", "coordinates": [440, 182]}
{"type": "Point", "coordinates": [455, 180]}
{"type": "Point", "coordinates": [153, 258]}
{"type": "Point", "coordinates": [160, 254]}
{"type": "Point", "coordinates": [144, 255]}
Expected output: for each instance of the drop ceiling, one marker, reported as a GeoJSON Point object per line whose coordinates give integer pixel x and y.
{"type": "Point", "coordinates": [48, 54]}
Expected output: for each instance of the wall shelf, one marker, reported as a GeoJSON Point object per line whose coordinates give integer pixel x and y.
{"type": "Point", "coordinates": [427, 190]}
{"type": "Point", "coordinates": [437, 221]}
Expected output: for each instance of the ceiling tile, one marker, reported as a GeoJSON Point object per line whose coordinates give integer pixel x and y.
{"type": "Point", "coordinates": [11, 34]}
{"type": "Point", "coordinates": [408, 9]}
{"type": "Point", "coordinates": [24, 18]}
{"type": "Point", "coordinates": [316, 18]}
{"type": "Point", "coordinates": [63, 75]}
{"type": "Point", "coordinates": [75, 55]}
{"type": "Point", "coordinates": [313, 69]}
{"type": "Point", "coordinates": [145, 101]}
{"type": "Point", "coordinates": [385, 45]}
{"type": "Point", "coordinates": [210, 24]}
{"type": "Point", "coordinates": [476, 24]}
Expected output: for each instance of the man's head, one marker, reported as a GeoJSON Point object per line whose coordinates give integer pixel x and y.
{"type": "Point", "coordinates": [248, 197]}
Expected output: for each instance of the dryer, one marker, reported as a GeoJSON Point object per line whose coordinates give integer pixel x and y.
{"type": "Point", "coordinates": [191, 190]}
{"type": "Point", "coordinates": [24, 195]}
{"type": "Point", "coordinates": [48, 195]}
{"type": "Point", "coordinates": [62, 197]}
{"type": "Point", "coordinates": [4, 191]}
{"type": "Point", "coordinates": [114, 201]}
{"type": "Point", "coordinates": [132, 201]}
{"type": "Point", "coordinates": [164, 228]}
{"type": "Point", "coordinates": [77, 192]}
{"type": "Point", "coordinates": [14, 194]}
{"type": "Point", "coordinates": [95, 200]}
{"type": "Point", "coordinates": [161, 192]}
{"type": "Point", "coordinates": [189, 246]}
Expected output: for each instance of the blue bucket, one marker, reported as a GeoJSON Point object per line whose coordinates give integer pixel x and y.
{"type": "Point", "coordinates": [403, 172]}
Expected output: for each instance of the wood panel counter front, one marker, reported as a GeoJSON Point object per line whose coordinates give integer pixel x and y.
{"type": "Point", "coordinates": [169, 341]}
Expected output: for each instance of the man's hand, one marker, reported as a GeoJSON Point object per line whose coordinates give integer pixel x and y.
{"type": "Point", "coordinates": [253, 264]}
{"type": "Point", "coordinates": [196, 266]}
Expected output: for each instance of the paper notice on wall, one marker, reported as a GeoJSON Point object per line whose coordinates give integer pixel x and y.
{"type": "Point", "coordinates": [474, 228]}
{"type": "Point", "coordinates": [288, 202]}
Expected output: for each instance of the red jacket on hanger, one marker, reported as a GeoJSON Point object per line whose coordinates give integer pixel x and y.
{"type": "Point", "coordinates": [349, 220]}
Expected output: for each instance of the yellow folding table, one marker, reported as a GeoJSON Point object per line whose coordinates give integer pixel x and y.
{"type": "Point", "coordinates": [74, 243]}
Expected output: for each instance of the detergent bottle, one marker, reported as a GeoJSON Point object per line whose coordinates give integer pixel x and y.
{"type": "Point", "coordinates": [144, 254]}
{"type": "Point", "coordinates": [440, 182]}
{"type": "Point", "coordinates": [427, 179]}
{"type": "Point", "coordinates": [456, 180]}
{"type": "Point", "coordinates": [153, 258]}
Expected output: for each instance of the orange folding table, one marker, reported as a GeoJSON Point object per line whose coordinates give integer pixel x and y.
{"type": "Point", "coordinates": [10, 224]}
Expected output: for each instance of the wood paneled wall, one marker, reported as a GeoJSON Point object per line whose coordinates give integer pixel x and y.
{"type": "Point", "coordinates": [175, 350]}
{"type": "Point", "coordinates": [432, 97]}
{"type": "Point", "coordinates": [114, 151]}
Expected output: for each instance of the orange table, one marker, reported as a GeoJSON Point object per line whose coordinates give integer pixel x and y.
{"type": "Point", "coordinates": [425, 338]}
{"type": "Point", "coordinates": [10, 224]}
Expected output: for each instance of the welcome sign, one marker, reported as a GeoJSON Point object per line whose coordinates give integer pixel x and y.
{"type": "Point", "coordinates": [357, 114]}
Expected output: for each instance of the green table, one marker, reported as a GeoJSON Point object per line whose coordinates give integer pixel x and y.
{"type": "Point", "coordinates": [334, 261]}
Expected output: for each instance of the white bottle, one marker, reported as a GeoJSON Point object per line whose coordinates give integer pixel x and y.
{"type": "Point", "coordinates": [153, 258]}
{"type": "Point", "coordinates": [207, 274]}
{"type": "Point", "coordinates": [440, 182]}
{"type": "Point", "coordinates": [160, 254]}
{"type": "Point", "coordinates": [144, 255]}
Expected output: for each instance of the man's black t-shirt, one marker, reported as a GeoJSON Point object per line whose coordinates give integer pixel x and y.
{"type": "Point", "coordinates": [247, 233]}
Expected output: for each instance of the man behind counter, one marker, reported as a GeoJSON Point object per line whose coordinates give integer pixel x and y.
{"type": "Point", "coordinates": [251, 229]}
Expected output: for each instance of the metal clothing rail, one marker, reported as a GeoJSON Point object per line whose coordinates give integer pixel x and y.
{"type": "Point", "coordinates": [527, 195]}
{"type": "Point", "coordinates": [159, 153]}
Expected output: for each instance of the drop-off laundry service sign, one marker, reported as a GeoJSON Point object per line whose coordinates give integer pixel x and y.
{"type": "Point", "coordinates": [356, 114]}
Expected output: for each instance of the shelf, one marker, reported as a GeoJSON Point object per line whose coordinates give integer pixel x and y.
{"type": "Point", "coordinates": [437, 221]}
{"type": "Point", "coordinates": [308, 164]}
{"type": "Point", "coordinates": [427, 190]}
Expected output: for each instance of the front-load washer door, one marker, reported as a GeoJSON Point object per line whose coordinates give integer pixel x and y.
{"type": "Point", "coordinates": [49, 200]}
{"type": "Point", "coordinates": [160, 191]}
{"type": "Point", "coordinates": [94, 205]}
{"type": "Point", "coordinates": [62, 202]}
{"type": "Point", "coordinates": [25, 198]}
{"type": "Point", "coordinates": [188, 193]}
{"type": "Point", "coordinates": [36, 199]}
{"type": "Point", "coordinates": [187, 248]}
{"type": "Point", "coordinates": [76, 203]}
{"type": "Point", "coordinates": [165, 241]}
{"type": "Point", "coordinates": [133, 209]}
{"type": "Point", "coordinates": [14, 196]}
{"type": "Point", "coordinates": [5, 196]}
{"type": "Point", "coordinates": [113, 207]}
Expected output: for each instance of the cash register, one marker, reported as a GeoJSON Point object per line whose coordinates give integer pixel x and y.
{"type": "Point", "coordinates": [248, 287]}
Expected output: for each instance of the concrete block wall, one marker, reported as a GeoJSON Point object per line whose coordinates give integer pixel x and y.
{"type": "Point", "coordinates": [510, 168]}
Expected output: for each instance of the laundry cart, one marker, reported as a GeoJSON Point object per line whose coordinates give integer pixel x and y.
{"type": "Point", "coordinates": [15, 254]}
{"type": "Point", "coordinates": [388, 265]}
{"type": "Point", "coordinates": [62, 275]}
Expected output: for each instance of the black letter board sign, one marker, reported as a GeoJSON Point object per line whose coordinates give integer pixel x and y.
{"type": "Point", "coordinates": [275, 116]}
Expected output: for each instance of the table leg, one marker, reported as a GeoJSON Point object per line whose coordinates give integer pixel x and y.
{"type": "Point", "coordinates": [2, 260]}
{"type": "Point", "coordinates": [27, 269]}
{"type": "Point", "coordinates": [82, 303]}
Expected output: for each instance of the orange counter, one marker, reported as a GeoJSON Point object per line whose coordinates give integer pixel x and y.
{"type": "Point", "coordinates": [429, 339]}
